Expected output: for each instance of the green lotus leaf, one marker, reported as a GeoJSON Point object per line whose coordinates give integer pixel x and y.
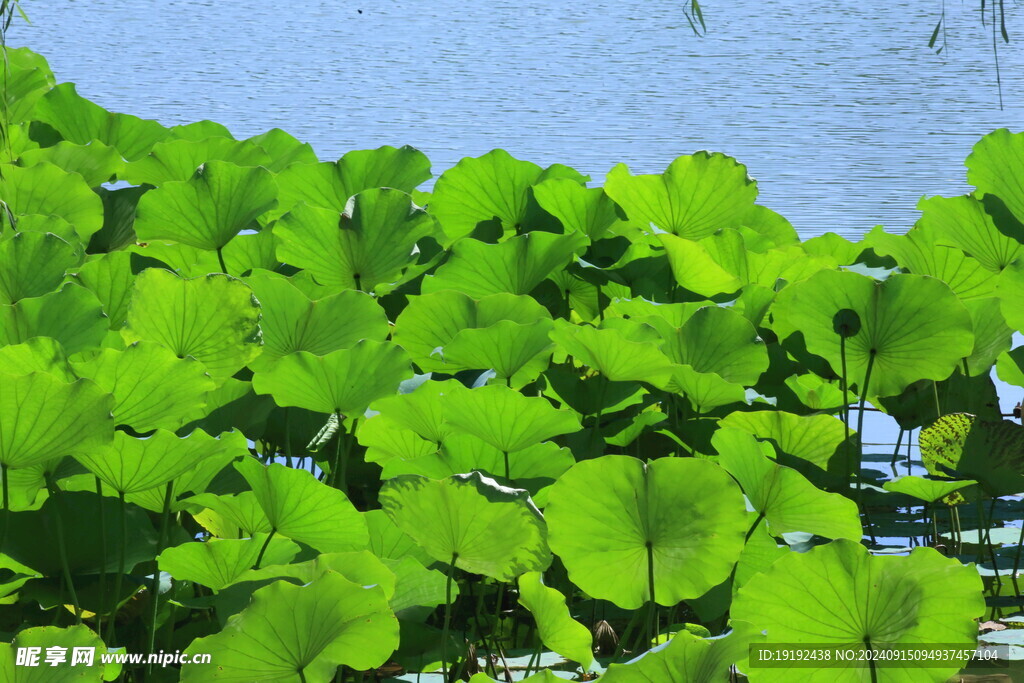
{"type": "Point", "coordinates": [38, 354]}
{"type": "Point", "coordinates": [95, 162]}
{"type": "Point", "coordinates": [994, 165]}
{"type": "Point", "coordinates": [990, 452]}
{"type": "Point", "coordinates": [80, 121]}
{"type": "Point", "coordinates": [687, 658]}
{"type": "Point", "coordinates": [786, 499]}
{"type": "Point", "coordinates": [345, 381]}
{"type": "Point", "coordinates": [206, 211]}
{"type": "Point", "coordinates": [928, 490]}
{"type": "Point", "coordinates": [696, 269]}
{"type": "Point", "coordinates": [44, 637]}
{"type": "Point", "coordinates": [370, 244]}
{"type": "Point", "coordinates": [192, 482]}
{"type": "Point", "coordinates": [33, 264]}
{"type": "Point", "coordinates": [516, 265]}
{"type": "Point", "coordinates": [615, 519]}
{"type": "Point", "coordinates": [385, 440]}
{"type": "Point", "coordinates": [417, 586]}
{"type": "Point", "coordinates": [963, 222]}
{"type": "Point", "coordinates": [290, 631]}
{"type": "Point", "coordinates": [47, 190]}
{"type": "Point", "coordinates": [71, 315]}
{"type": "Point", "coordinates": [243, 254]}
{"type": "Point", "coordinates": [220, 562]}
{"type": "Point", "coordinates": [41, 224]}
{"type": "Point", "coordinates": [494, 186]}
{"type": "Point", "coordinates": [695, 196]}
{"type": "Point", "coordinates": [110, 278]}
{"type": "Point", "coordinates": [152, 387]}
{"type": "Point", "coordinates": [542, 676]}
{"type": "Point", "coordinates": [26, 77]}
{"type": "Point", "coordinates": [42, 418]}
{"type": "Point", "coordinates": [230, 516]}
{"type": "Point", "coordinates": [705, 390]}
{"type": "Point", "coordinates": [214, 319]}
{"type": "Point", "coordinates": [454, 520]}
{"type": "Point", "coordinates": [506, 347]}
{"type": "Point", "coordinates": [430, 322]}
{"type": "Point", "coordinates": [421, 411]}
{"type": "Point", "coordinates": [721, 341]}
{"type": "Point", "coordinates": [1010, 289]}
{"type": "Point", "coordinates": [292, 322]}
{"type": "Point", "coordinates": [813, 438]}
{"type": "Point", "coordinates": [198, 131]}
{"type": "Point", "coordinates": [361, 567]}
{"type": "Point", "coordinates": [388, 542]}
{"type": "Point", "coordinates": [178, 159]}
{"type": "Point", "coordinates": [555, 626]}
{"type": "Point", "coordinates": [839, 594]}
{"type": "Point", "coordinates": [130, 465]}
{"type": "Point", "coordinates": [283, 149]}
{"type": "Point", "coordinates": [918, 252]}
{"type": "Point", "coordinates": [609, 352]}
{"type": "Point", "coordinates": [912, 327]}
{"type": "Point", "coordinates": [118, 218]}
{"type": "Point", "coordinates": [330, 185]}
{"type": "Point", "coordinates": [579, 208]}
{"type": "Point", "coordinates": [992, 337]}
{"type": "Point", "coordinates": [303, 509]}
{"type": "Point", "coordinates": [506, 419]}
{"type": "Point", "coordinates": [1010, 366]}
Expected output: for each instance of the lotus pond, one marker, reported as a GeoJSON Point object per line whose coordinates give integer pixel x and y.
{"type": "Point", "coordinates": [321, 425]}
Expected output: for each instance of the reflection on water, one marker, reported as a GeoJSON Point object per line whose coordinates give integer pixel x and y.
{"type": "Point", "coordinates": [844, 115]}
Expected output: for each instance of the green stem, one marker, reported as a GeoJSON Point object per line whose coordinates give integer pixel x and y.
{"type": "Point", "coordinates": [103, 552]}
{"type": "Point", "coordinates": [447, 617]}
{"type": "Point", "coordinates": [220, 258]}
{"type": "Point", "coordinates": [896, 452]}
{"type": "Point", "coordinates": [1016, 559]}
{"type": "Point", "coordinates": [871, 660]}
{"type": "Point", "coordinates": [302, 676]}
{"type": "Point", "coordinates": [154, 590]}
{"type": "Point", "coordinates": [846, 405]}
{"type": "Point", "coordinates": [860, 416]}
{"type": "Point", "coordinates": [508, 469]}
{"type": "Point", "coordinates": [122, 551]}
{"type": "Point", "coordinates": [62, 549]}
{"type": "Point", "coordinates": [652, 609]}
{"type": "Point", "coordinates": [266, 544]}
{"type": "Point", "coordinates": [938, 405]}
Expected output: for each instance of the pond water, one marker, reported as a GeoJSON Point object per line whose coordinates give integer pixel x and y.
{"type": "Point", "coordinates": [840, 111]}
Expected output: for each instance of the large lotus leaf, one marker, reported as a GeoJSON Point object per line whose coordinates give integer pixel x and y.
{"type": "Point", "coordinates": [230, 516]}
{"type": "Point", "coordinates": [118, 218]}
{"type": "Point", "coordinates": [200, 130]}
{"type": "Point", "coordinates": [243, 254]}
{"type": "Point", "coordinates": [130, 465]}
{"type": "Point", "coordinates": [506, 419]}
{"type": "Point", "coordinates": [292, 322]}
{"type": "Point", "coordinates": [330, 185]}
{"type": "Point", "coordinates": [43, 418]}
{"type": "Point", "coordinates": [415, 585]}
{"type": "Point", "coordinates": [506, 347]}
{"type": "Point", "coordinates": [110, 278]}
{"type": "Point", "coordinates": [839, 594]}
{"type": "Point", "coordinates": [38, 354]}
{"type": "Point", "coordinates": [687, 658]}
{"type": "Point", "coordinates": [42, 638]}
{"type": "Point", "coordinates": [912, 326]}
{"type": "Point", "coordinates": [990, 452]}
{"type": "Point", "coordinates": [786, 499]}
{"type": "Point", "coordinates": [813, 438]}
{"type": "Point", "coordinates": [95, 162]}
{"type": "Point", "coordinates": [33, 264]}
{"type": "Point", "coordinates": [917, 252]}
{"type": "Point", "coordinates": [705, 390]}
{"type": "Point", "coordinates": [47, 190]}
{"type": "Point", "coordinates": [1011, 291]}
{"type": "Point", "coordinates": [928, 490]}
{"type": "Point", "coordinates": [80, 121]}
{"type": "Point", "coordinates": [345, 381]}
{"type": "Point", "coordinates": [220, 562]}
{"type": "Point", "coordinates": [1010, 366]}
{"type": "Point", "coordinates": [291, 632]}
{"type": "Point", "coordinates": [361, 567]}
{"type": "Point", "coordinates": [207, 210]}
{"type": "Point", "coordinates": [555, 626]}
{"type": "Point", "coordinates": [454, 520]}
{"type": "Point", "coordinates": [696, 269]}
{"type": "Point", "coordinates": [71, 315]}
{"type": "Point", "coordinates": [963, 222]}
{"type": "Point", "coordinates": [25, 78]}
{"type": "Point", "coordinates": [214, 318]}
{"type": "Point", "coordinates": [579, 208]}
{"type": "Point", "coordinates": [721, 341]}
{"type": "Point", "coordinates": [388, 542]}
{"type": "Point", "coordinates": [283, 148]}
{"type": "Point", "coordinates": [516, 265]}
{"type": "Point", "coordinates": [615, 518]}
{"type": "Point", "coordinates": [493, 186]}
{"type": "Point", "coordinates": [192, 482]}
{"type": "Point", "coordinates": [152, 387]}
{"type": "Point", "coordinates": [994, 166]}
{"type": "Point", "coordinates": [371, 243]}
{"type": "Point", "coordinates": [178, 159]}
{"type": "Point", "coordinates": [695, 196]}
{"type": "Point", "coordinates": [611, 353]}
{"type": "Point", "coordinates": [303, 509]}
{"type": "Point", "coordinates": [992, 337]}
{"type": "Point", "coordinates": [420, 411]}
